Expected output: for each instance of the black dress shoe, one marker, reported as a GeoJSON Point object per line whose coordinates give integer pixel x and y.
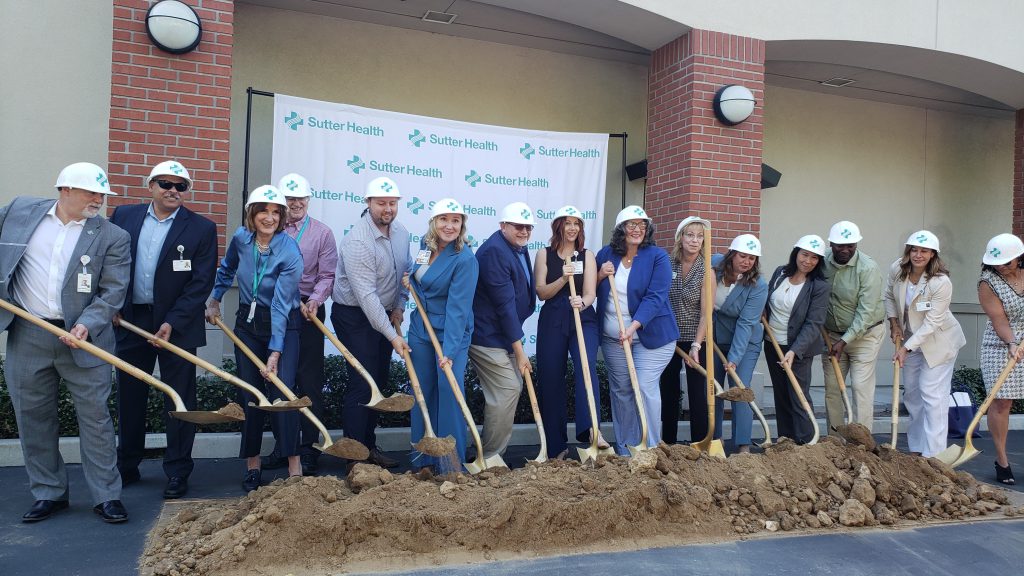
{"type": "Point", "coordinates": [130, 476]}
{"type": "Point", "coordinates": [176, 488]}
{"type": "Point", "coordinates": [274, 461]}
{"type": "Point", "coordinates": [378, 458]}
{"type": "Point", "coordinates": [43, 509]}
{"type": "Point", "coordinates": [253, 479]}
{"type": "Point", "coordinates": [112, 511]}
{"type": "Point", "coordinates": [309, 464]}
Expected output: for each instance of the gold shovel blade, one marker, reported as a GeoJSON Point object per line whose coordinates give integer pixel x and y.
{"type": "Point", "coordinates": [345, 448]}
{"type": "Point", "coordinates": [954, 455]}
{"type": "Point", "coordinates": [198, 417]}
{"type": "Point", "coordinates": [285, 405]}
{"type": "Point", "coordinates": [394, 403]}
{"type": "Point", "coordinates": [587, 454]}
{"type": "Point", "coordinates": [716, 449]}
{"type": "Point", "coordinates": [475, 467]}
{"type": "Point", "coordinates": [634, 450]}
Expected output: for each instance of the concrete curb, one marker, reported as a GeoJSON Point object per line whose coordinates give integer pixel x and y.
{"type": "Point", "coordinates": [225, 444]}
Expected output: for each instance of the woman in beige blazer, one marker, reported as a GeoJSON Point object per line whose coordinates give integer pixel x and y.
{"type": "Point", "coordinates": [917, 300]}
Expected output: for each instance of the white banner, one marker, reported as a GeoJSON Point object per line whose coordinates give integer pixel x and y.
{"type": "Point", "coordinates": [339, 148]}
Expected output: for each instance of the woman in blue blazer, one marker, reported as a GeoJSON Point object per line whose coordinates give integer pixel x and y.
{"type": "Point", "coordinates": [740, 296]}
{"type": "Point", "coordinates": [444, 276]}
{"type": "Point", "coordinates": [642, 275]}
{"type": "Point", "coordinates": [797, 300]}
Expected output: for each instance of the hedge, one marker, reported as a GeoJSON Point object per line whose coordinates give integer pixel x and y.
{"type": "Point", "coordinates": [213, 393]}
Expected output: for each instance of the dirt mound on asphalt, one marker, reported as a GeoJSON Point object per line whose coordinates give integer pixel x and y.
{"type": "Point", "coordinates": [323, 525]}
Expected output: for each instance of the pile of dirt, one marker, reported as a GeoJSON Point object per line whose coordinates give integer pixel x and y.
{"type": "Point", "coordinates": [674, 495]}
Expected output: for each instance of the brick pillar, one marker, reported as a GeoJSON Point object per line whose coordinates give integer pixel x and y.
{"type": "Point", "coordinates": [1018, 175]}
{"type": "Point", "coordinates": [165, 106]}
{"type": "Point", "coordinates": [696, 164]}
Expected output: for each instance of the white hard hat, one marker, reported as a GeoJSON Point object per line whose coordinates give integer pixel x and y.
{"type": "Point", "coordinates": [294, 186]}
{"type": "Point", "coordinates": [631, 213]}
{"type": "Point", "coordinates": [844, 232]}
{"type": "Point", "coordinates": [382, 187]}
{"type": "Point", "coordinates": [169, 168]}
{"type": "Point", "coordinates": [1002, 249]}
{"type": "Point", "coordinates": [568, 210]}
{"type": "Point", "coordinates": [446, 206]}
{"type": "Point", "coordinates": [811, 243]}
{"type": "Point", "coordinates": [266, 193]}
{"type": "Point", "coordinates": [517, 213]}
{"type": "Point", "coordinates": [84, 176]}
{"type": "Point", "coordinates": [690, 220]}
{"type": "Point", "coordinates": [746, 243]}
{"type": "Point", "coordinates": [924, 239]}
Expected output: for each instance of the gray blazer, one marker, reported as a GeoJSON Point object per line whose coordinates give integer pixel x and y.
{"type": "Point", "coordinates": [803, 332]}
{"type": "Point", "coordinates": [109, 249]}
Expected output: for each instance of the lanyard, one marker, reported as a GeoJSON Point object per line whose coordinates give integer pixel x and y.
{"type": "Point", "coordinates": [305, 224]}
{"type": "Point", "coordinates": [257, 276]}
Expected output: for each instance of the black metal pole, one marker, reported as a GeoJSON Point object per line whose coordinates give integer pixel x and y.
{"type": "Point", "coordinates": [624, 136]}
{"type": "Point", "coordinates": [248, 129]}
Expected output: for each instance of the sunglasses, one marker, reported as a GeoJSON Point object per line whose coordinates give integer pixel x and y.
{"type": "Point", "coordinates": [521, 227]}
{"type": "Point", "coordinates": [167, 185]}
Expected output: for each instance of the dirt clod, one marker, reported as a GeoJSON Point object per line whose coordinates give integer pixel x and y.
{"type": "Point", "coordinates": [737, 394]}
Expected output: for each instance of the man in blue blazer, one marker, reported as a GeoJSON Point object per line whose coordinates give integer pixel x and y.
{"type": "Point", "coordinates": [174, 259]}
{"type": "Point", "coordinates": [504, 299]}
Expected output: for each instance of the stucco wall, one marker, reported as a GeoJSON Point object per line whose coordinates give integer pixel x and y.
{"type": "Point", "coordinates": [56, 90]}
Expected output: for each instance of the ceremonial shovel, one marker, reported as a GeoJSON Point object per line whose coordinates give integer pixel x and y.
{"type": "Point", "coordinates": [792, 380]}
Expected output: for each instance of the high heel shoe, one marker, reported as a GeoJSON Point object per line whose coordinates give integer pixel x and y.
{"type": "Point", "coordinates": [1004, 474]}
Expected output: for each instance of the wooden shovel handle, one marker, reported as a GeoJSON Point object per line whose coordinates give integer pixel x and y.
{"type": "Point", "coordinates": [349, 357]}
{"type": "Point", "coordinates": [581, 343]}
{"type": "Point", "coordinates": [414, 380]}
{"type": "Point", "coordinates": [627, 348]}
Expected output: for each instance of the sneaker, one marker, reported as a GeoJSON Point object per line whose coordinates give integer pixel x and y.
{"type": "Point", "coordinates": [253, 479]}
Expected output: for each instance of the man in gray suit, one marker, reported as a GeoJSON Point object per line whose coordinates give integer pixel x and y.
{"type": "Point", "coordinates": [64, 263]}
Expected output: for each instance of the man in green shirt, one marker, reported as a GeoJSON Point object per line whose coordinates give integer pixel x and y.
{"type": "Point", "coordinates": [854, 322]}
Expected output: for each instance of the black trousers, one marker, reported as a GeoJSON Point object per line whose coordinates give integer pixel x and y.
{"type": "Point", "coordinates": [790, 416]}
{"type": "Point", "coordinates": [133, 395]}
{"type": "Point", "coordinates": [671, 394]}
{"type": "Point", "coordinates": [309, 380]}
{"type": "Point", "coordinates": [373, 351]}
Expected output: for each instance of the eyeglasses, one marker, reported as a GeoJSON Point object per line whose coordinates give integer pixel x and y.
{"type": "Point", "coordinates": [692, 236]}
{"type": "Point", "coordinates": [633, 226]}
{"type": "Point", "coordinates": [521, 227]}
{"type": "Point", "coordinates": [167, 185]}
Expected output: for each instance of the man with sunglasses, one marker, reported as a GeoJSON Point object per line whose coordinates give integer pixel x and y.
{"type": "Point", "coordinates": [504, 299]}
{"type": "Point", "coordinates": [174, 260]}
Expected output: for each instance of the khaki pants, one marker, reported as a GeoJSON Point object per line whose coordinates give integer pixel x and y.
{"type": "Point", "coordinates": [857, 363]}
{"type": "Point", "coordinates": [501, 384]}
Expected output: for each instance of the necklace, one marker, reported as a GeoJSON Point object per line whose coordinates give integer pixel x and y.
{"type": "Point", "coordinates": [263, 248]}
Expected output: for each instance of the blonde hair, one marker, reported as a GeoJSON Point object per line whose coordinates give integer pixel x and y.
{"type": "Point", "coordinates": [430, 238]}
{"type": "Point", "coordinates": [677, 248]}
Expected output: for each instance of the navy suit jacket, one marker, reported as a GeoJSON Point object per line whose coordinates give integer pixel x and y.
{"type": "Point", "coordinates": [803, 331]}
{"type": "Point", "coordinates": [650, 277]}
{"type": "Point", "coordinates": [446, 292]}
{"type": "Point", "coordinates": [179, 298]}
{"type": "Point", "coordinates": [737, 324]}
{"type": "Point", "coordinates": [504, 294]}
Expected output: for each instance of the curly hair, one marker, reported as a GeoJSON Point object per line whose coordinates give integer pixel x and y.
{"type": "Point", "coordinates": [618, 241]}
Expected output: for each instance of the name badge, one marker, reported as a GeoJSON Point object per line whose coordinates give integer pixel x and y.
{"type": "Point", "coordinates": [924, 306]}
{"type": "Point", "coordinates": [423, 257]}
{"type": "Point", "coordinates": [181, 265]}
{"type": "Point", "coordinates": [577, 267]}
{"type": "Point", "coordinates": [85, 283]}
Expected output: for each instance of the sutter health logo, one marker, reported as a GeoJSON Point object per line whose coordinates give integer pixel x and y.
{"type": "Point", "coordinates": [415, 205]}
{"type": "Point", "coordinates": [555, 152]}
{"type": "Point", "coordinates": [474, 178]}
{"type": "Point", "coordinates": [417, 138]}
{"type": "Point", "coordinates": [357, 164]}
{"type": "Point", "coordinates": [293, 121]}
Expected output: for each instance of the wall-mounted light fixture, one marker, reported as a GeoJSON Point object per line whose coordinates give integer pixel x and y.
{"type": "Point", "coordinates": [173, 26]}
{"type": "Point", "coordinates": [733, 104]}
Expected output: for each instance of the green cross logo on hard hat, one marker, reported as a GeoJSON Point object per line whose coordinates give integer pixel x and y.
{"type": "Point", "coordinates": [386, 187]}
{"type": "Point", "coordinates": [270, 194]}
{"type": "Point", "coordinates": [995, 252]}
{"type": "Point", "coordinates": [473, 178]}
{"type": "Point", "coordinates": [177, 168]}
{"type": "Point", "coordinates": [525, 213]}
{"type": "Point", "coordinates": [292, 185]}
{"type": "Point", "coordinates": [751, 244]}
{"type": "Point", "coordinates": [846, 233]}
{"type": "Point", "coordinates": [356, 164]}
{"type": "Point", "coordinates": [452, 205]}
{"type": "Point", "coordinates": [639, 212]}
{"type": "Point", "coordinates": [417, 138]}
{"type": "Point", "coordinates": [921, 238]}
{"type": "Point", "coordinates": [570, 211]}
{"type": "Point", "coordinates": [814, 243]}
{"type": "Point", "coordinates": [293, 121]}
{"type": "Point", "coordinates": [102, 179]}
{"type": "Point", "coordinates": [415, 205]}
{"type": "Point", "coordinates": [527, 150]}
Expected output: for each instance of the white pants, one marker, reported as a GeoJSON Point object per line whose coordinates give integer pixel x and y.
{"type": "Point", "coordinates": [926, 396]}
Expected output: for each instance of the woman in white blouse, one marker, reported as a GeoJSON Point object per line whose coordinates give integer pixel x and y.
{"type": "Point", "coordinates": [917, 299]}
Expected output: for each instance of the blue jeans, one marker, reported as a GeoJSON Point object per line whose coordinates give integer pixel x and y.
{"type": "Point", "coordinates": [650, 363]}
